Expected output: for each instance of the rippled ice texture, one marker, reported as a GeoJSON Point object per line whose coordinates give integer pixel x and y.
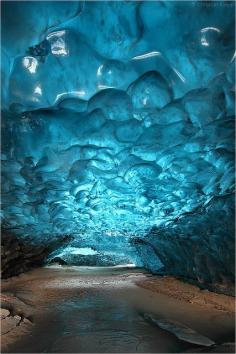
{"type": "Point", "coordinates": [118, 117]}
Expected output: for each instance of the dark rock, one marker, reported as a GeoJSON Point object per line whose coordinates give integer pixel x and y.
{"type": "Point", "coordinates": [58, 260]}
{"type": "Point", "coordinates": [19, 255]}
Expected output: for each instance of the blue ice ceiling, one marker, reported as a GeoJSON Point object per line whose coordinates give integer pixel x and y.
{"type": "Point", "coordinates": [117, 120]}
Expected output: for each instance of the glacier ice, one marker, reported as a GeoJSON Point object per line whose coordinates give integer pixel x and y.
{"type": "Point", "coordinates": [118, 129]}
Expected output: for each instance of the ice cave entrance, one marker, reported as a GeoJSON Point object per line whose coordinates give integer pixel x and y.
{"type": "Point", "coordinates": [118, 151]}
{"type": "Point", "coordinates": [83, 251]}
{"type": "Point", "coordinates": [118, 135]}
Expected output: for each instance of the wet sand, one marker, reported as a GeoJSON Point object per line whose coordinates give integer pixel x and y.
{"type": "Point", "coordinates": [82, 309]}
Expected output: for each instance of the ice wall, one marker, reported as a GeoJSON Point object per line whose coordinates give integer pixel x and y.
{"type": "Point", "coordinates": [118, 129]}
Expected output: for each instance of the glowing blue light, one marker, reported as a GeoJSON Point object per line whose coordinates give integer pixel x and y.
{"type": "Point", "coordinates": [117, 119]}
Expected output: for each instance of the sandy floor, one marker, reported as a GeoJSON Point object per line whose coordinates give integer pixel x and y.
{"type": "Point", "coordinates": [78, 309]}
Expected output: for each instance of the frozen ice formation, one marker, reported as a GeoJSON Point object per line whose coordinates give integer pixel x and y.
{"type": "Point", "coordinates": [180, 330]}
{"type": "Point", "coordinates": [117, 125]}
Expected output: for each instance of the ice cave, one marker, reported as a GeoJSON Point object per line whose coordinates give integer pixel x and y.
{"type": "Point", "coordinates": [117, 164]}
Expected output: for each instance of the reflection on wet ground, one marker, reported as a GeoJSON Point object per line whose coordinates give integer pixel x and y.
{"type": "Point", "coordinates": [102, 323]}
{"type": "Point", "coordinates": [91, 311]}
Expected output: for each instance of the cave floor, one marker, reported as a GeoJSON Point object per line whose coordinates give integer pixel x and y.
{"type": "Point", "coordinates": [82, 309]}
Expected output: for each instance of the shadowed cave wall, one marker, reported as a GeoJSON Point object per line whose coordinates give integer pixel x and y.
{"type": "Point", "coordinates": [118, 136]}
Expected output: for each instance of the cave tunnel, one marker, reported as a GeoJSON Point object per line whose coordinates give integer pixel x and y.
{"type": "Point", "coordinates": [117, 164]}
